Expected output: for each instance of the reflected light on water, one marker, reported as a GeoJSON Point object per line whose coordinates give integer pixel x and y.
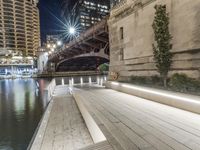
{"type": "Point", "coordinates": [20, 111]}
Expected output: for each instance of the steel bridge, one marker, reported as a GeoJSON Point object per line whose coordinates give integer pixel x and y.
{"type": "Point", "coordinates": [89, 43]}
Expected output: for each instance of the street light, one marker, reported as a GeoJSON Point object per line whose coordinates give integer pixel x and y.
{"type": "Point", "coordinates": [48, 45]}
{"type": "Point", "coordinates": [54, 45]}
{"type": "Point", "coordinates": [72, 30]}
{"type": "Point", "coordinates": [52, 49]}
{"type": "Point", "coordinates": [59, 43]}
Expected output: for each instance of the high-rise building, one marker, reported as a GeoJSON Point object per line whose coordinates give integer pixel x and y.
{"type": "Point", "coordinates": [88, 12]}
{"type": "Point", "coordinates": [19, 26]}
{"type": "Point", "coordinates": [114, 2]}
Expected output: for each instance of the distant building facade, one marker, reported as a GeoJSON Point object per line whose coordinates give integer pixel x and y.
{"type": "Point", "coordinates": [114, 2]}
{"type": "Point", "coordinates": [131, 37]}
{"type": "Point", "coordinates": [19, 26]}
{"type": "Point", "coordinates": [52, 39]}
{"type": "Point", "coordinates": [88, 12]}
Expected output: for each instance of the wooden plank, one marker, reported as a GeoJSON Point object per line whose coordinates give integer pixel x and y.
{"type": "Point", "coordinates": [139, 119]}
{"type": "Point", "coordinates": [118, 135]}
{"type": "Point", "coordinates": [65, 128]}
{"type": "Point", "coordinates": [115, 145]}
{"type": "Point", "coordinates": [159, 143]}
{"type": "Point", "coordinates": [176, 133]}
{"type": "Point", "coordinates": [99, 146]}
{"type": "Point", "coordinates": [170, 112]}
{"type": "Point", "coordinates": [133, 116]}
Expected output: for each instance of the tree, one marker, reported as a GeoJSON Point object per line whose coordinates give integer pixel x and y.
{"type": "Point", "coordinates": [162, 45]}
{"type": "Point", "coordinates": [103, 68]}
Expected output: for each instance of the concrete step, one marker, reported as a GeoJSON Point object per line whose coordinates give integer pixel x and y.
{"type": "Point", "coordinates": [99, 146]}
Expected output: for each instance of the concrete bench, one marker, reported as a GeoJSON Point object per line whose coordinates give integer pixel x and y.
{"type": "Point", "coordinates": [175, 99]}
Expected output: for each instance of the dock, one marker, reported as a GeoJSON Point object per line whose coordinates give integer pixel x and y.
{"type": "Point", "coordinates": [133, 123]}
{"type": "Point", "coordinates": [65, 127]}
{"type": "Point", "coordinates": [128, 122]}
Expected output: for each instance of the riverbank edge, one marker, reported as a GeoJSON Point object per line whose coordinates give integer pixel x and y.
{"type": "Point", "coordinates": [38, 135]}
{"type": "Point", "coordinates": [37, 138]}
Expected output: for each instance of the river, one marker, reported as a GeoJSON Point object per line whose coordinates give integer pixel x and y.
{"type": "Point", "coordinates": [21, 108]}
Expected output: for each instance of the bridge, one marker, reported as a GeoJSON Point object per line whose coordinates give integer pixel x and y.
{"type": "Point", "coordinates": [91, 48]}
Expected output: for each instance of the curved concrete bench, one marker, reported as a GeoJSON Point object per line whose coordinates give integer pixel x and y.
{"type": "Point", "coordinates": [93, 128]}
{"type": "Point", "coordinates": [183, 101]}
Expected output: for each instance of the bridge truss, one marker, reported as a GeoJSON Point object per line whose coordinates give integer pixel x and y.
{"type": "Point", "coordinates": [95, 39]}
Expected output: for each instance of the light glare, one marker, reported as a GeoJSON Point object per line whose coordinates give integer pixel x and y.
{"type": "Point", "coordinates": [159, 93]}
{"type": "Point", "coordinates": [48, 45]}
{"type": "Point", "coordinates": [59, 43]}
{"type": "Point", "coordinates": [72, 30]}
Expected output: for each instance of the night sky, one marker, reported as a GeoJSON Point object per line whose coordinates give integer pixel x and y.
{"type": "Point", "coordinates": [49, 11]}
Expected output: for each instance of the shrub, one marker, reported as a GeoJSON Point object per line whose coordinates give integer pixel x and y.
{"type": "Point", "coordinates": [103, 67]}
{"type": "Point", "coordinates": [182, 83]}
{"type": "Point", "coordinates": [156, 80]}
{"type": "Point", "coordinates": [143, 80]}
{"type": "Point", "coordinates": [138, 79]}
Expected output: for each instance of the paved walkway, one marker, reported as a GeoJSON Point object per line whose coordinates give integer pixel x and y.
{"type": "Point", "coordinates": [65, 129]}
{"type": "Point", "coordinates": [132, 123]}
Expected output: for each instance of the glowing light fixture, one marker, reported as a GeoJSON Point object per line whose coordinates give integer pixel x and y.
{"type": "Point", "coordinates": [48, 45]}
{"type": "Point", "coordinates": [72, 30]}
{"type": "Point", "coordinates": [59, 43]}
{"type": "Point", "coordinates": [158, 93]}
{"type": "Point", "coordinates": [81, 80]}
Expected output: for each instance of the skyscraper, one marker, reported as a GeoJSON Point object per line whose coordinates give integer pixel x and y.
{"type": "Point", "coordinates": [88, 12]}
{"type": "Point", "coordinates": [19, 26]}
{"type": "Point", "coordinates": [114, 2]}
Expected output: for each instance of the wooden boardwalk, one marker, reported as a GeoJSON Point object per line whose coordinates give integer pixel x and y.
{"type": "Point", "coordinates": [132, 123]}
{"type": "Point", "coordinates": [65, 129]}
{"type": "Point", "coordinates": [99, 146]}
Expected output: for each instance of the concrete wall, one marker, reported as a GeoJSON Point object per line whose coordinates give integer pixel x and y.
{"type": "Point", "coordinates": [134, 55]}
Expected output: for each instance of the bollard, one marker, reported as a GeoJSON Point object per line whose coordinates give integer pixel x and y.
{"type": "Point", "coordinates": [81, 80]}
{"type": "Point", "coordinates": [90, 80]}
{"type": "Point", "coordinates": [63, 82]}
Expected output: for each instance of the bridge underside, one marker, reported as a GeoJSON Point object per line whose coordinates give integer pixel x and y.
{"type": "Point", "coordinates": [94, 39]}
{"type": "Point", "coordinates": [81, 64]}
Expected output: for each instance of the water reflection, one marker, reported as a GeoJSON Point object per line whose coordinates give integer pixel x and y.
{"type": "Point", "coordinates": [22, 105]}
{"type": "Point", "coordinates": [21, 108]}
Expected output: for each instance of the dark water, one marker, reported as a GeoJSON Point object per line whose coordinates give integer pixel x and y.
{"type": "Point", "coordinates": [21, 108]}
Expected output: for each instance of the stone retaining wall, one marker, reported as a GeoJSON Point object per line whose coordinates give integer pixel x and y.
{"type": "Point", "coordinates": [133, 55]}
